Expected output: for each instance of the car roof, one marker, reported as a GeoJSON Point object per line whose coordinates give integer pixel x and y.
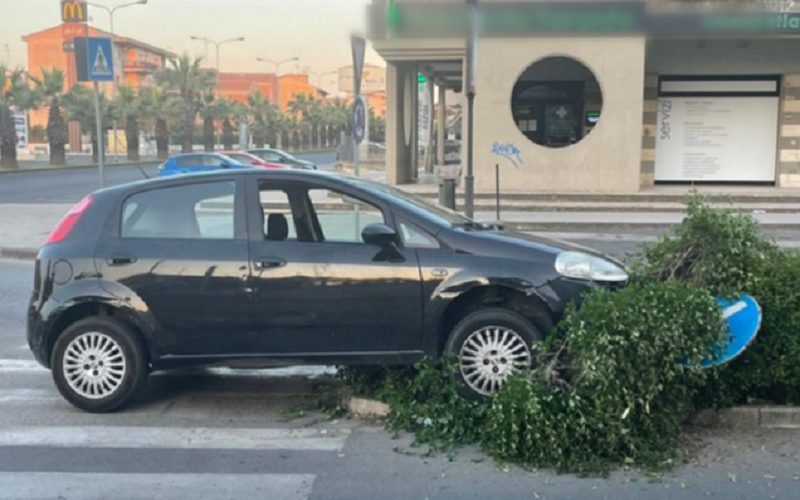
{"type": "Point", "coordinates": [285, 174]}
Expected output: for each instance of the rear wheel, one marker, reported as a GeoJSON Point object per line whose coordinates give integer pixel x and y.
{"type": "Point", "coordinates": [490, 345]}
{"type": "Point", "coordinates": [98, 364]}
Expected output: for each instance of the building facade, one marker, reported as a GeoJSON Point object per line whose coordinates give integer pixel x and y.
{"type": "Point", "coordinates": [612, 97]}
{"type": "Point", "coordinates": [135, 62]}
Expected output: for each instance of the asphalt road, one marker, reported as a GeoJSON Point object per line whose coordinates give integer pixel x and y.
{"type": "Point", "coordinates": [256, 434]}
{"type": "Point", "coordinates": [69, 186]}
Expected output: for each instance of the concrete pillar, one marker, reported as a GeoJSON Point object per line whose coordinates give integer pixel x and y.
{"type": "Point", "coordinates": [441, 125]}
{"type": "Point", "coordinates": [396, 148]}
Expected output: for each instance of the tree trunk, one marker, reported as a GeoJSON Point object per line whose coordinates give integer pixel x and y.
{"type": "Point", "coordinates": [8, 140]}
{"type": "Point", "coordinates": [162, 138]}
{"type": "Point", "coordinates": [57, 134]}
{"type": "Point", "coordinates": [187, 134]}
{"type": "Point", "coordinates": [227, 135]}
{"type": "Point", "coordinates": [132, 137]}
{"type": "Point", "coordinates": [208, 133]}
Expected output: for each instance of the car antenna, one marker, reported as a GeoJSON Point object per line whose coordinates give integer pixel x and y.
{"type": "Point", "coordinates": [143, 172]}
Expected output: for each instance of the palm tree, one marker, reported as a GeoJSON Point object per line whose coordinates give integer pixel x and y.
{"type": "Point", "coordinates": [227, 110]}
{"type": "Point", "coordinates": [377, 127]}
{"type": "Point", "coordinates": [267, 121]}
{"type": "Point", "coordinates": [14, 93]}
{"type": "Point", "coordinates": [156, 109]}
{"type": "Point", "coordinates": [79, 106]}
{"type": "Point", "coordinates": [338, 116]}
{"type": "Point", "coordinates": [208, 111]}
{"type": "Point", "coordinates": [128, 109]}
{"type": "Point", "coordinates": [51, 88]}
{"type": "Point", "coordinates": [299, 108]}
{"type": "Point", "coordinates": [187, 82]}
{"type": "Point", "coordinates": [314, 116]}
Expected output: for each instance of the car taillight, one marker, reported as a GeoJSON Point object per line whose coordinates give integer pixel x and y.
{"type": "Point", "coordinates": [65, 225]}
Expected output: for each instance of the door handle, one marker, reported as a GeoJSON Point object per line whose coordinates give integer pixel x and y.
{"type": "Point", "coordinates": [268, 263]}
{"type": "Point", "coordinates": [120, 260]}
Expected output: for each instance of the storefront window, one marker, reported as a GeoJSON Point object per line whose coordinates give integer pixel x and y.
{"type": "Point", "coordinates": [556, 102]}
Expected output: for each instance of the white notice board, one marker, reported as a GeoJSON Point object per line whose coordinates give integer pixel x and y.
{"type": "Point", "coordinates": [716, 139]}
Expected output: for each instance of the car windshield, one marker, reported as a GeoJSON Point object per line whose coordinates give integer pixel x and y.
{"type": "Point", "coordinates": [437, 213]}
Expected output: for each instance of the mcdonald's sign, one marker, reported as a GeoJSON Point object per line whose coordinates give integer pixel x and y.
{"type": "Point", "coordinates": [74, 11]}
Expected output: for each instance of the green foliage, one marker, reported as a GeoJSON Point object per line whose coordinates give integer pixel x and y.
{"type": "Point", "coordinates": [608, 389]}
{"type": "Point", "coordinates": [713, 248]}
{"type": "Point", "coordinates": [770, 368]}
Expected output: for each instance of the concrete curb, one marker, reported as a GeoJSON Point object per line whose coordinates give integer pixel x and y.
{"type": "Point", "coordinates": [368, 409]}
{"type": "Point", "coordinates": [750, 418]}
{"type": "Point", "coordinates": [18, 253]}
{"type": "Point", "coordinates": [83, 166]}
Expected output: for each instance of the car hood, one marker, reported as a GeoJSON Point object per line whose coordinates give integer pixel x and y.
{"type": "Point", "coordinates": [512, 244]}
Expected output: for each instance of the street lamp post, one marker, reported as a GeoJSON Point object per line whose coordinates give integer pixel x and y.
{"type": "Point", "coordinates": [111, 11]}
{"type": "Point", "coordinates": [216, 45]}
{"type": "Point", "coordinates": [278, 75]}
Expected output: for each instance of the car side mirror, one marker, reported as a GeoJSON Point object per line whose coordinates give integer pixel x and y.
{"type": "Point", "coordinates": [379, 234]}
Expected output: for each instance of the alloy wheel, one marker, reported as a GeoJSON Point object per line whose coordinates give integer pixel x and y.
{"type": "Point", "coordinates": [489, 355]}
{"type": "Point", "coordinates": [94, 365]}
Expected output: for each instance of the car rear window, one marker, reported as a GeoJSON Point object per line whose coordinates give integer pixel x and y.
{"type": "Point", "coordinates": [195, 211]}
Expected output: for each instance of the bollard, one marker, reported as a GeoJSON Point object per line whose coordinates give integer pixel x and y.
{"type": "Point", "coordinates": [447, 193]}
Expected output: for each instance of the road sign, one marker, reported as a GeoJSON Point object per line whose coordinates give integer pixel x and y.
{"type": "Point", "coordinates": [358, 46]}
{"type": "Point", "coordinates": [359, 120]}
{"type": "Point", "coordinates": [94, 59]}
{"type": "Point", "coordinates": [74, 11]}
{"type": "Point", "coordinates": [743, 318]}
{"type": "Point", "coordinates": [21, 128]}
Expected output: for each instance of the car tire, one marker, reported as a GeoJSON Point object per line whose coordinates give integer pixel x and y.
{"type": "Point", "coordinates": [487, 346]}
{"type": "Point", "coordinates": [98, 364]}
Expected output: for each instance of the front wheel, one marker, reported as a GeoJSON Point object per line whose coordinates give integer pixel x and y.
{"type": "Point", "coordinates": [98, 364]}
{"type": "Point", "coordinates": [489, 345]}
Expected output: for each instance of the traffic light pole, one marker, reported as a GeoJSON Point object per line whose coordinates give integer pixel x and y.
{"type": "Point", "coordinates": [100, 146]}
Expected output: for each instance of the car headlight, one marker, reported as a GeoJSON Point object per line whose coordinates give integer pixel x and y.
{"type": "Point", "coordinates": [583, 266]}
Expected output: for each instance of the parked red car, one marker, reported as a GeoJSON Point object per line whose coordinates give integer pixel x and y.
{"type": "Point", "coordinates": [249, 159]}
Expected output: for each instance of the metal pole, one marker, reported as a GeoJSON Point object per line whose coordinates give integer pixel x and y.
{"type": "Point", "coordinates": [497, 188]}
{"type": "Point", "coordinates": [100, 143]}
{"type": "Point", "coordinates": [116, 159]}
{"type": "Point", "coordinates": [472, 42]}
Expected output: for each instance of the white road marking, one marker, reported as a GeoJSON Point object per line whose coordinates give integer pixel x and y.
{"type": "Point", "coordinates": [28, 395]}
{"type": "Point", "coordinates": [175, 437]}
{"type": "Point", "coordinates": [21, 365]}
{"type": "Point", "coordinates": [309, 371]}
{"type": "Point", "coordinates": [30, 485]}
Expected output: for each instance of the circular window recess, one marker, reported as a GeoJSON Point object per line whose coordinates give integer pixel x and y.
{"type": "Point", "coordinates": [556, 102]}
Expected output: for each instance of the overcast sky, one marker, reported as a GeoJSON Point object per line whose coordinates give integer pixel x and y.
{"type": "Point", "coordinates": [316, 31]}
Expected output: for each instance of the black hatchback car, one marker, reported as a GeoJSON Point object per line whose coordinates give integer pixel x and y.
{"type": "Point", "coordinates": [289, 267]}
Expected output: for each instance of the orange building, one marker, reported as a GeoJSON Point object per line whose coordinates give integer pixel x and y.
{"type": "Point", "coordinates": [237, 86]}
{"type": "Point", "coordinates": [135, 62]}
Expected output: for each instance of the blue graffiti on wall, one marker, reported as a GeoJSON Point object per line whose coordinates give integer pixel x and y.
{"type": "Point", "coordinates": [509, 151]}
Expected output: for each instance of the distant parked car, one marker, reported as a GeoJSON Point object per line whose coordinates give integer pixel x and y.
{"type": "Point", "coordinates": [282, 157]}
{"type": "Point", "coordinates": [193, 163]}
{"type": "Point", "coordinates": [250, 159]}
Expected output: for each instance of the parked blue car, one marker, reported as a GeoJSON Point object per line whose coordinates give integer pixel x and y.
{"type": "Point", "coordinates": [193, 163]}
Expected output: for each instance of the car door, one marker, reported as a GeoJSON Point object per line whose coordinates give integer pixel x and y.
{"type": "Point", "coordinates": [317, 287]}
{"type": "Point", "coordinates": [182, 249]}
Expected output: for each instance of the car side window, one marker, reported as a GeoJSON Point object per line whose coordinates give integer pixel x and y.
{"type": "Point", "coordinates": [189, 161]}
{"type": "Point", "coordinates": [342, 217]}
{"type": "Point", "coordinates": [416, 238]}
{"type": "Point", "coordinates": [280, 223]}
{"type": "Point", "coordinates": [212, 161]}
{"type": "Point", "coordinates": [195, 211]}
{"type": "Point", "coordinates": [273, 157]}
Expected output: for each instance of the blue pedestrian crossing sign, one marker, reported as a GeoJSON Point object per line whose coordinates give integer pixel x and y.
{"type": "Point", "coordinates": [94, 59]}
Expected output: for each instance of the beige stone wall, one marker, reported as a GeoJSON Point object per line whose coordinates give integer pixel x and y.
{"type": "Point", "coordinates": [607, 160]}
{"type": "Point", "coordinates": [789, 142]}
{"type": "Point", "coordinates": [649, 126]}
